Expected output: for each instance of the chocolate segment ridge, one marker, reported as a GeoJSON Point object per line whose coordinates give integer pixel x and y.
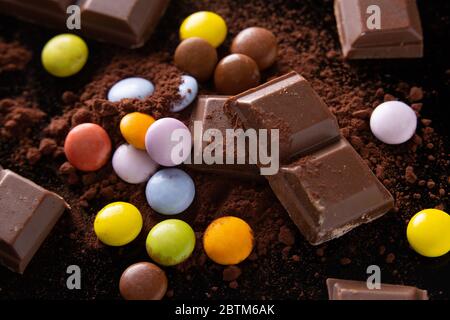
{"type": "Point", "coordinates": [357, 290]}
{"type": "Point", "coordinates": [127, 23]}
{"type": "Point", "coordinates": [399, 34]}
{"type": "Point", "coordinates": [209, 114]}
{"type": "Point", "coordinates": [28, 213]}
{"type": "Point", "coordinates": [290, 104]}
{"type": "Point", "coordinates": [330, 192]}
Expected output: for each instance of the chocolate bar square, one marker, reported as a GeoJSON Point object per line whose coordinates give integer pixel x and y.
{"type": "Point", "coordinates": [124, 22]}
{"type": "Point", "coordinates": [290, 104]}
{"type": "Point", "coordinates": [209, 114]}
{"type": "Point", "coordinates": [398, 35]}
{"type": "Point", "coordinates": [28, 213]}
{"type": "Point", "coordinates": [357, 290]}
{"type": "Point", "coordinates": [330, 192]}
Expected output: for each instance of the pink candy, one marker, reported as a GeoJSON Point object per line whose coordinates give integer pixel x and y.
{"type": "Point", "coordinates": [168, 141]}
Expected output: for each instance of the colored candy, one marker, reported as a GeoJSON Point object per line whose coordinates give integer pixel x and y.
{"type": "Point", "coordinates": [170, 191]}
{"type": "Point", "coordinates": [206, 25]}
{"type": "Point", "coordinates": [170, 242]}
{"type": "Point", "coordinates": [87, 147]}
{"type": "Point", "coordinates": [168, 141]}
{"type": "Point", "coordinates": [64, 55]}
{"type": "Point", "coordinates": [228, 240]}
{"type": "Point", "coordinates": [143, 281]}
{"type": "Point", "coordinates": [188, 91]}
{"type": "Point", "coordinates": [393, 122]}
{"type": "Point", "coordinates": [428, 233]}
{"type": "Point", "coordinates": [235, 74]}
{"type": "Point", "coordinates": [133, 165]}
{"type": "Point", "coordinates": [196, 57]}
{"type": "Point", "coordinates": [118, 224]}
{"type": "Point", "coordinates": [131, 88]}
{"type": "Point", "coordinates": [134, 126]}
{"type": "Point", "coordinates": [259, 44]}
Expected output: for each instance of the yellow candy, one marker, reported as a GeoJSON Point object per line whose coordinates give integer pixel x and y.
{"type": "Point", "coordinates": [134, 126]}
{"type": "Point", "coordinates": [428, 233]}
{"type": "Point", "coordinates": [118, 223]}
{"type": "Point", "coordinates": [206, 25]}
{"type": "Point", "coordinates": [228, 240]}
{"type": "Point", "coordinates": [64, 55]}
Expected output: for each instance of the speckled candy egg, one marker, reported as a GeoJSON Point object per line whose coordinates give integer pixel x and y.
{"type": "Point", "coordinates": [170, 191]}
{"type": "Point", "coordinates": [131, 88]}
{"type": "Point", "coordinates": [133, 165]}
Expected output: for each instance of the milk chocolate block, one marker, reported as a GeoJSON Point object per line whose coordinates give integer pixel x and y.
{"type": "Point", "coordinates": [127, 23]}
{"type": "Point", "coordinates": [50, 13]}
{"type": "Point", "coordinates": [375, 29]}
{"type": "Point", "coordinates": [124, 22]}
{"type": "Point", "coordinates": [208, 113]}
{"type": "Point", "coordinates": [28, 213]}
{"type": "Point", "coordinates": [330, 192]}
{"type": "Point", "coordinates": [290, 104]}
{"type": "Point", "coordinates": [357, 290]}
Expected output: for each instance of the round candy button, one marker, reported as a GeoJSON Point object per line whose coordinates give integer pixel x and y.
{"type": "Point", "coordinates": [118, 223]}
{"type": "Point", "coordinates": [196, 57]}
{"type": "Point", "coordinates": [236, 73]}
{"type": "Point", "coordinates": [206, 25]}
{"type": "Point", "coordinates": [170, 242]}
{"type": "Point", "coordinates": [133, 165]}
{"type": "Point", "coordinates": [168, 141]}
{"type": "Point", "coordinates": [428, 233]}
{"type": "Point", "coordinates": [87, 147]}
{"type": "Point", "coordinates": [393, 122]}
{"type": "Point", "coordinates": [188, 91]}
{"type": "Point", "coordinates": [228, 240]}
{"type": "Point", "coordinates": [134, 126]}
{"type": "Point", "coordinates": [259, 44]}
{"type": "Point", "coordinates": [131, 88]}
{"type": "Point", "coordinates": [170, 191]}
{"type": "Point", "coordinates": [143, 281]}
{"type": "Point", "coordinates": [64, 55]}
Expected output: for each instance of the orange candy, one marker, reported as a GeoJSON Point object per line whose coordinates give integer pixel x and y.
{"type": "Point", "coordinates": [87, 147]}
{"type": "Point", "coordinates": [228, 240]}
{"type": "Point", "coordinates": [134, 126]}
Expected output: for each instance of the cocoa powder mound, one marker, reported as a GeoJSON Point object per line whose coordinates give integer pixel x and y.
{"type": "Point", "coordinates": [282, 265]}
{"type": "Point", "coordinates": [13, 57]}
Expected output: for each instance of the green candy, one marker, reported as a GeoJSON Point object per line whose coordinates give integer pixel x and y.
{"type": "Point", "coordinates": [64, 55]}
{"type": "Point", "coordinates": [170, 242]}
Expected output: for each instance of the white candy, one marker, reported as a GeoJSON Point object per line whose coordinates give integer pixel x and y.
{"type": "Point", "coordinates": [131, 88]}
{"type": "Point", "coordinates": [393, 122]}
{"type": "Point", "coordinates": [188, 91]}
{"type": "Point", "coordinates": [133, 165]}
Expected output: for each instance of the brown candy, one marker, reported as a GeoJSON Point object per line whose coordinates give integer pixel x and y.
{"type": "Point", "coordinates": [196, 57]}
{"type": "Point", "coordinates": [259, 44]}
{"type": "Point", "coordinates": [236, 73]}
{"type": "Point", "coordinates": [143, 281]}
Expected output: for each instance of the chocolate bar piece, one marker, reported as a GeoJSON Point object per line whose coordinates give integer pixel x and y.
{"type": "Point", "coordinates": [357, 290]}
{"type": "Point", "coordinates": [127, 23]}
{"type": "Point", "coordinates": [208, 114]}
{"type": "Point", "coordinates": [28, 213]}
{"type": "Point", "coordinates": [287, 103]}
{"type": "Point", "coordinates": [379, 28]}
{"type": "Point", "coordinates": [330, 192]}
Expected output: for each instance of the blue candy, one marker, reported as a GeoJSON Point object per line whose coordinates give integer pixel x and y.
{"type": "Point", "coordinates": [170, 191]}
{"type": "Point", "coordinates": [131, 88]}
{"type": "Point", "coordinates": [188, 92]}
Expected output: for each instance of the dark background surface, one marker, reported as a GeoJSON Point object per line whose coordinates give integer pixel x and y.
{"type": "Point", "coordinates": [271, 276]}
